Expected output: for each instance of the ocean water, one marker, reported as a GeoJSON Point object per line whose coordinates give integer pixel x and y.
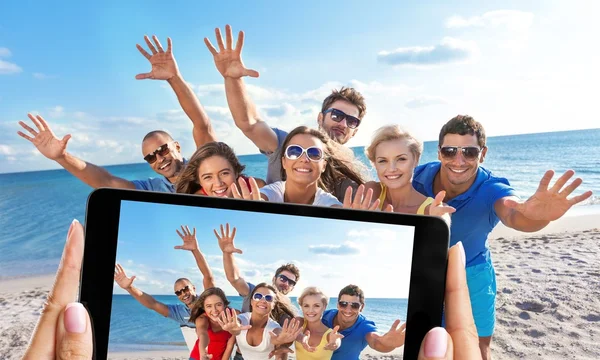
{"type": "Point", "coordinates": [160, 333]}
{"type": "Point", "coordinates": [36, 208]}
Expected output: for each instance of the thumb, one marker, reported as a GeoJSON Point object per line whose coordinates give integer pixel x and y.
{"type": "Point", "coordinates": [251, 73]}
{"type": "Point", "coordinates": [132, 278]}
{"type": "Point", "coordinates": [437, 344]}
{"type": "Point", "coordinates": [439, 198]}
{"type": "Point", "coordinates": [74, 333]}
{"type": "Point", "coordinates": [66, 139]}
{"type": "Point", "coordinates": [512, 204]}
{"type": "Point", "coordinates": [238, 251]}
{"type": "Point", "coordinates": [144, 76]}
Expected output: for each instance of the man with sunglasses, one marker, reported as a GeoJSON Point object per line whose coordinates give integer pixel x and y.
{"type": "Point", "coordinates": [358, 331]}
{"type": "Point", "coordinates": [481, 201]}
{"type": "Point", "coordinates": [341, 112]}
{"type": "Point", "coordinates": [160, 151]}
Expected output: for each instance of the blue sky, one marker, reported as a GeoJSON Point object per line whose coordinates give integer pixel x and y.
{"type": "Point", "coordinates": [518, 68]}
{"type": "Point", "coordinates": [330, 253]}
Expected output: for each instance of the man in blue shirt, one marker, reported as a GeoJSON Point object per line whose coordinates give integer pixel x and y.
{"type": "Point", "coordinates": [358, 331]}
{"type": "Point", "coordinates": [159, 149]}
{"type": "Point", "coordinates": [481, 201]}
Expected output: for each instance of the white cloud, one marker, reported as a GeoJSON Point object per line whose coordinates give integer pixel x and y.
{"type": "Point", "coordinates": [347, 248]}
{"type": "Point", "coordinates": [6, 150]}
{"type": "Point", "coordinates": [42, 76]}
{"type": "Point", "coordinates": [513, 20]}
{"type": "Point", "coordinates": [448, 51]}
{"type": "Point", "coordinates": [423, 101]}
{"type": "Point", "coordinates": [56, 112]}
{"type": "Point", "coordinates": [7, 68]}
{"type": "Point", "coordinates": [4, 52]}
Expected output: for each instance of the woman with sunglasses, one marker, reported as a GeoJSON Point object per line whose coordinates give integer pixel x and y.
{"type": "Point", "coordinates": [212, 339]}
{"type": "Point", "coordinates": [257, 333]}
{"type": "Point", "coordinates": [312, 167]}
{"type": "Point", "coordinates": [211, 170]}
{"type": "Point", "coordinates": [395, 153]}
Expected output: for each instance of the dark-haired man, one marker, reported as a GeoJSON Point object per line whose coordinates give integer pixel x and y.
{"type": "Point", "coordinates": [481, 201]}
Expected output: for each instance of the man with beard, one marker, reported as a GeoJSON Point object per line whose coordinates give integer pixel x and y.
{"type": "Point", "coordinates": [159, 149]}
{"type": "Point", "coordinates": [341, 112]}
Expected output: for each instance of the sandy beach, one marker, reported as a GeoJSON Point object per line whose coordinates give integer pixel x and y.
{"type": "Point", "coordinates": [548, 304]}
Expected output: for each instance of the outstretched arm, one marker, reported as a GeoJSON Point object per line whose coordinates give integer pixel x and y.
{"type": "Point", "coordinates": [202, 333]}
{"type": "Point", "coordinates": [229, 63]}
{"type": "Point", "coordinates": [164, 67]}
{"type": "Point", "coordinates": [55, 149]}
{"type": "Point", "coordinates": [389, 341]}
{"type": "Point", "coordinates": [546, 205]}
{"type": "Point", "coordinates": [148, 301]}
{"type": "Point", "coordinates": [231, 270]}
{"type": "Point", "coordinates": [191, 243]}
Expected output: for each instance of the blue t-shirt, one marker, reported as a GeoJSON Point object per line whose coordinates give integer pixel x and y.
{"type": "Point", "coordinates": [159, 184]}
{"type": "Point", "coordinates": [181, 314]}
{"type": "Point", "coordinates": [475, 216]}
{"type": "Point", "coordinates": [355, 337]}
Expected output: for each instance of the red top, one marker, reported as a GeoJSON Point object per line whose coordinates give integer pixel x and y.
{"type": "Point", "coordinates": [217, 343]}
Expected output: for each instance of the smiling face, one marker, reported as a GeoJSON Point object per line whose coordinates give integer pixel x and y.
{"type": "Point", "coordinates": [214, 306]}
{"type": "Point", "coordinates": [457, 171]}
{"type": "Point", "coordinates": [285, 282]}
{"type": "Point", "coordinates": [303, 170]}
{"type": "Point", "coordinates": [349, 306]}
{"type": "Point", "coordinates": [171, 162]}
{"type": "Point", "coordinates": [185, 291]}
{"type": "Point", "coordinates": [260, 304]}
{"type": "Point", "coordinates": [394, 163]}
{"type": "Point", "coordinates": [339, 131]}
{"type": "Point", "coordinates": [312, 308]}
{"type": "Point", "coordinates": [215, 175]}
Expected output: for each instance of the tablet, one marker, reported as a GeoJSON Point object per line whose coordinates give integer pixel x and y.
{"type": "Point", "coordinates": [393, 265]}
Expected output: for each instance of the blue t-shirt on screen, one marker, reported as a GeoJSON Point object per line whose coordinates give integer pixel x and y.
{"type": "Point", "coordinates": [354, 340]}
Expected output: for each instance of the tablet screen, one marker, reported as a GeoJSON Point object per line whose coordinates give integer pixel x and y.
{"type": "Point", "coordinates": [330, 254]}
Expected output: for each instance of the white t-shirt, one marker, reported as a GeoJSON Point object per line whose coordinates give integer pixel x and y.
{"type": "Point", "coordinates": [262, 350]}
{"type": "Point", "coordinates": [275, 191]}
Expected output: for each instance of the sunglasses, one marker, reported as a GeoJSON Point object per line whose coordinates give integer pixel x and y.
{"type": "Point", "coordinates": [162, 150]}
{"type": "Point", "coordinates": [186, 289]}
{"type": "Point", "coordinates": [259, 296]}
{"type": "Point", "coordinates": [286, 279]}
{"type": "Point", "coordinates": [345, 304]}
{"type": "Point", "coordinates": [295, 152]}
{"type": "Point", "coordinates": [468, 152]}
{"type": "Point", "coordinates": [338, 116]}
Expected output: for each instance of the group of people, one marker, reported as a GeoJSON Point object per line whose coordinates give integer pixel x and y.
{"type": "Point", "coordinates": [314, 167]}
{"type": "Point", "coordinates": [268, 323]}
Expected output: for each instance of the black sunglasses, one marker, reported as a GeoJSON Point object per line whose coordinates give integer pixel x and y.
{"type": "Point", "coordinates": [286, 279]}
{"type": "Point", "coordinates": [345, 304]}
{"type": "Point", "coordinates": [186, 289]}
{"type": "Point", "coordinates": [259, 296]}
{"type": "Point", "coordinates": [339, 115]}
{"type": "Point", "coordinates": [162, 150]}
{"type": "Point", "coordinates": [469, 152]}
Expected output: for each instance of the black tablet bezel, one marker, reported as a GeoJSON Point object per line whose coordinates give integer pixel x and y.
{"type": "Point", "coordinates": [428, 270]}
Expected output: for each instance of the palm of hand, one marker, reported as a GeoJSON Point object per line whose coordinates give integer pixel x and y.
{"type": "Point", "coordinates": [49, 145]}
{"type": "Point", "coordinates": [229, 64]}
{"type": "Point", "coordinates": [545, 205]}
{"type": "Point", "coordinates": [189, 243]}
{"type": "Point", "coordinates": [227, 246]}
{"type": "Point", "coordinates": [163, 66]}
{"type": "Point", "coordinates": [124, 281]}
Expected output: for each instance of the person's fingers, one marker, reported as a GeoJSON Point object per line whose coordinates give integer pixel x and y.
{"type": "Point", "coordinates": [459, 317]}
{"type": "Point", "coordinates": [219, 39]}
{"type": "Point", "coordinates": [562, 180]}
{"type": "Point", "coordinates": [143, 52]}
{"type": "Point", "coordinates": [251, 73]}
{"type": "Point", "coordinates": [210, 47]}
{"type": "Point", "coordinates": [158, 44]}
{"type": "Point", "coordinates": [150, 45]}
{"type": "Point", "coordinates": [74, 333]}
{"type": "Point", "coordinates": [580, 198]}
{"type": "Point", "coordinates": [66, 139]}
{"type": "Point", "coordinates": [240, 43]}
{"type": "Point", "coordinates": [169, 45]}
{"type": "Point", "coordinates": [437, 345]}
{"type": "Point", "coordinates": [25, 136]}
{"type": "Point", "coordinates": [545, 182]}
{"type": "Point", "coordinates": [228, 37]}
{"type": "Point", "coordinates": [63, 292]}
{"type": "Point", "coordinates": [235, 192]}
{"type": "Point", "coordinates": [144, 76]}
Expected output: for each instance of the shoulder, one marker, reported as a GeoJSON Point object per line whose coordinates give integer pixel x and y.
{"type": "Point", "coordinates": [427, 170]}
{"type": "Point", "coordinates": [495, 187]}
{"type": "Point", "coordinates": [323, 198]}
{"type": "Point", "coordinates": [274, 190]}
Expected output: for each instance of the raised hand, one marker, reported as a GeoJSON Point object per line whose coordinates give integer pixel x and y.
{"type": "Point", "coordinates": [121, 278]}
{"type": "Point", "coordinates": [189, 239]}
{"type": "Point", "coordinates": [164, 66]}
{"type": "Point", "coordinates": [226, 240]}
{"type": "Point", "coordinates": [438, 208]}
{"type": "Point", "coordinates": [305, 343]}
{"type": "Point", "coordinates": [279, 351]}
{"type": "Point", "coordinates": [45, 141]}
{"type": "Point", "coordinates": [333, 342]}
{"type": "Point", "coordinates": [550, 204]}
{"type": "Point", "coordinates": [228, 59]}
{"type": "Point", "coordinates": [289, 332]}
{"type": "Point", "coordinates": [230, 322]}
{"type": "Point", "coordinates": [248, 194]}
{"type": "Point", "coordinates": [360, 202]}
{"type": "Point", "coordinates": [395, 336]}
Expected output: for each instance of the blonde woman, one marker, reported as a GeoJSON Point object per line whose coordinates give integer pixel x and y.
{"type": "Point", "coordinates": [395, 153]}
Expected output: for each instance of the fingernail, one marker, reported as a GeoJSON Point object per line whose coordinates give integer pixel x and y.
{"type": "Point", "coordinates": [436, 343]}
{"type": "Point", "coordinates": [462, 253]}
{"type": "Point", "coordinates": [71, 227]}
{"type": "Point", "coordinates": [75, 321]}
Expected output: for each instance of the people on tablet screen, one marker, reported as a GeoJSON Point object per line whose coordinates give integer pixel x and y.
{"type": "Point", "coordinates": [482, 200]}
{"type": "Point", "coordinates": [357, 330]}
{"type": "Point", "coordinates": [257, 334]}
{"type": "Point", "coordinates": [395, 153]}
{"type": "Point", "coordinates": [213, 342]}
{"type": "Point", "coordinates": [211, 170]}
{"type": "Point", "coordinates": [340, 116]}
